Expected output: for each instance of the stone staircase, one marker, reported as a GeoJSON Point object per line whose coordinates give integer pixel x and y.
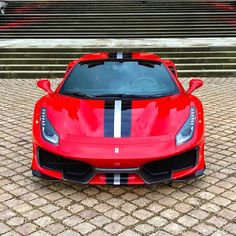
{"type": "Point", "coordinates": [51, 62]}
{"type": "Point", "coordinates": [118, 19]}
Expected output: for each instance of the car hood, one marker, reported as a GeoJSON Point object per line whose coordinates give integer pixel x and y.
{"type": "Point", "coordinates": [76, 118]}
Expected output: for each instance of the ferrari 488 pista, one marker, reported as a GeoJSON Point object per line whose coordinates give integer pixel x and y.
{"type": "Point", "coordinates": [119, 118]}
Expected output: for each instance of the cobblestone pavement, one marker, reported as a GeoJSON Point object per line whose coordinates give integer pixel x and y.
{"type": "Point", "coordinates": [31, 206]}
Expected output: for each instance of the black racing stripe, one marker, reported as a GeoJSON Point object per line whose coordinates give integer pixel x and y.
{"type": "Point", "coordinates": [112, 55]}
{"type": "Point", "coordinates": [124, 178]}
{"type": "Point", "coordinates": [109, 118]}
{"type": "Point", "coordinates": [126, 118]}
{"type": "Point", "coordinates": [127, 55]}
{"type": "Point", "coordinates": [110, 178]}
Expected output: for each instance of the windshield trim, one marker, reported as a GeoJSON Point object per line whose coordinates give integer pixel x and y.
{"type": "Point", "coordinates": [151, 96]}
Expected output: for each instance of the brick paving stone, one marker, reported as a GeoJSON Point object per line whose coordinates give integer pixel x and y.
{"type": "Point", "coordinates": [174, 228]}
{"type": "Point", "coordinates": [227, 214]}
{"type": "Point", "coordinates": [99, 233]}
{"type": "Point", "coordinates": [144, 228]}
{"type": "Point", "coordinates": [141, 202]}
{"type": "Point", "coordinates": [129, 233]}
{"type": "Point", "coordinates": [31, 206]}
{"type": "Point", "coordinates": [114, 228]}
{"type": "Point", "coordinates": [183, 207]}
{"type": "Point", "coordinates": [232, 207]}
{"type": "Point", "coordinates": [15, 221]}
{"type": "Point", "coordinates": [44, 221]}
{"type": "Point", "coordinates": [204, 229]}
{"type": "Point", "coordinates": [221, 233]}
{"type": "Point", "coordinates": [89, 202]}
{"type": "Point", "coordinates": [55, 228]}
{"type": "Point", "coordinates": [128, 207]}
{"type": "Point", "coordinates": [160, 233]}
{"type": "Point", "coordinates": [217, 221]}
{"type": "Point", "coordinates": [75, 208]}
{"type": "Point", "coordinates": [142, 214]}
{"type": "Point", "coordinates": [157, 221]}
{"type": "Point", "coordinates": [187, 221]}
{"type": "Point", "coordinates": [26, 228]}
{"type": "Point", "coordinates": [170, 214]}
{"type": "Point", "coordinates": [72, 221]}
{"type": "Point", "coordinates": [61, 214]}
{"type": "Point", "coordinates": [85, 227]}
{"type": "Point", "coordinates": [210, 207]}
{"type": "Point", "coordinates": [128, 220]}
{"type": "Point", "coordinates": [167, 201]}
{"type": "Point", "coordinates": [100, 220]}
{"type": "Point", "coordinates": [114, 214]}
{"type": "Point", "coordinates": [69, 233]}
{"type": "Point", "coordinates": [102, 207]}
{"type": "Point", "coordinates": [221, 201]}
{"type": "Point", "coordinates": [199, 214]}
{"type": "Point", "coordinates": [11, 233]}
{"type": "Point", "coordinates": [231, 228]}
{"type": "Point", "coordinates": [6, 214]}
{"type": "Point", "coordinates": [129, 196]}
{"type": "Point", "coordinates": [32, 215]}
{"type": "Point", "coordinates": [115, 202]}
{"type": "Point", "coordinates": [40, 233]}
{"type": "Point", "coordinates": [3, 228]}
{"type": "Point", "coordinates": [155, 207]}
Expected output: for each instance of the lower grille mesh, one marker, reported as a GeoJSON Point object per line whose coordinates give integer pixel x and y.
{"type": "Point", "coordinates": [185, 160]}
{"type": "Point", "coordinates": [72, 170]}
{"type": "Point", "coordinates": [151, 172]}
{"type": "Point", "coordinates": [162, 169]}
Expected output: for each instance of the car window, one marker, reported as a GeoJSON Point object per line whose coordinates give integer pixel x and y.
{"type": "Point", "coordinates": [120, 77]}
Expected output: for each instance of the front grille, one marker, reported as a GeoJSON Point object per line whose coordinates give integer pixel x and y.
{"type": "Point", "coordinates": [162, 169]}
{"type": "Point", "coordinates": [185, 160]}
{"type": "Point", "coordinates": [151, 172]}
{"type": "Point", "coordinates": [72, 170]}
{"type": "Point", "coordinates": [156, 171]}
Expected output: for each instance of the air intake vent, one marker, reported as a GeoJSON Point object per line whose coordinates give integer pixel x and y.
{"type": "Point", "coordinates": [72, 170]}
{"type": "Point", "coordinates": [162, 169]}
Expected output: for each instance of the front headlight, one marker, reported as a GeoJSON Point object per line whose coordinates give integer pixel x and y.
{"type": "Point", "coordinates": [187, 130]}
{"type": "Point", "coordinates": [48, 132]}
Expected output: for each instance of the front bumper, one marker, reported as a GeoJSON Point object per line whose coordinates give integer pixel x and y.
{"type": "Point", "coordinates": [186, 165]}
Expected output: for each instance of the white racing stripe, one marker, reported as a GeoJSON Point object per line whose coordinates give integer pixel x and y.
{"type": "Point", "coordinates": [116, 179]}
{"type": "Point", "coordinates": [117, 119]}
{"type": "Point", "coordinates": [119, 55]}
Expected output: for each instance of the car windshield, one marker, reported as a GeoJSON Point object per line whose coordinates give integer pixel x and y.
{"type": "Point", "coordinates": [119, 78]}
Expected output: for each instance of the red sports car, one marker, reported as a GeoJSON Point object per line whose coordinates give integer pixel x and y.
{"type": "Point", "coordinates": [119, 118]}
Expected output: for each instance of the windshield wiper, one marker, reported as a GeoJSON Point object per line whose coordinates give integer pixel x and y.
{"type": "Point", "coordinates": [124, 95]}
{"type": "Point", "coordinates": [78, 94]}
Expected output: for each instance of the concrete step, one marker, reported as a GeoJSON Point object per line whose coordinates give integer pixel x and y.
{"type": "Point", "coordinates": [199, 60]}
{"type": "Point", "coordinates": [176, 55]}
{"type": "Point", "coordinates": [52, 62]}
{"type": "Point", "coordinates": [117, 19]}
{"type": "Point", "coordinates": [62, 67]}
{"type": "Point", "coordinates": [59, 74]}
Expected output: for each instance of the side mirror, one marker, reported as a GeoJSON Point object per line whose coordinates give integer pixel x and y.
{"type": "Point", "coordinates": [194, 84]}
{"type": "Point", "coordinates": [45, 85]}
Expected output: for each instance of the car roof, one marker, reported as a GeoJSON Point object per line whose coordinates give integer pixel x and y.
{"type": "Point", "coordinates": [120, 56]}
